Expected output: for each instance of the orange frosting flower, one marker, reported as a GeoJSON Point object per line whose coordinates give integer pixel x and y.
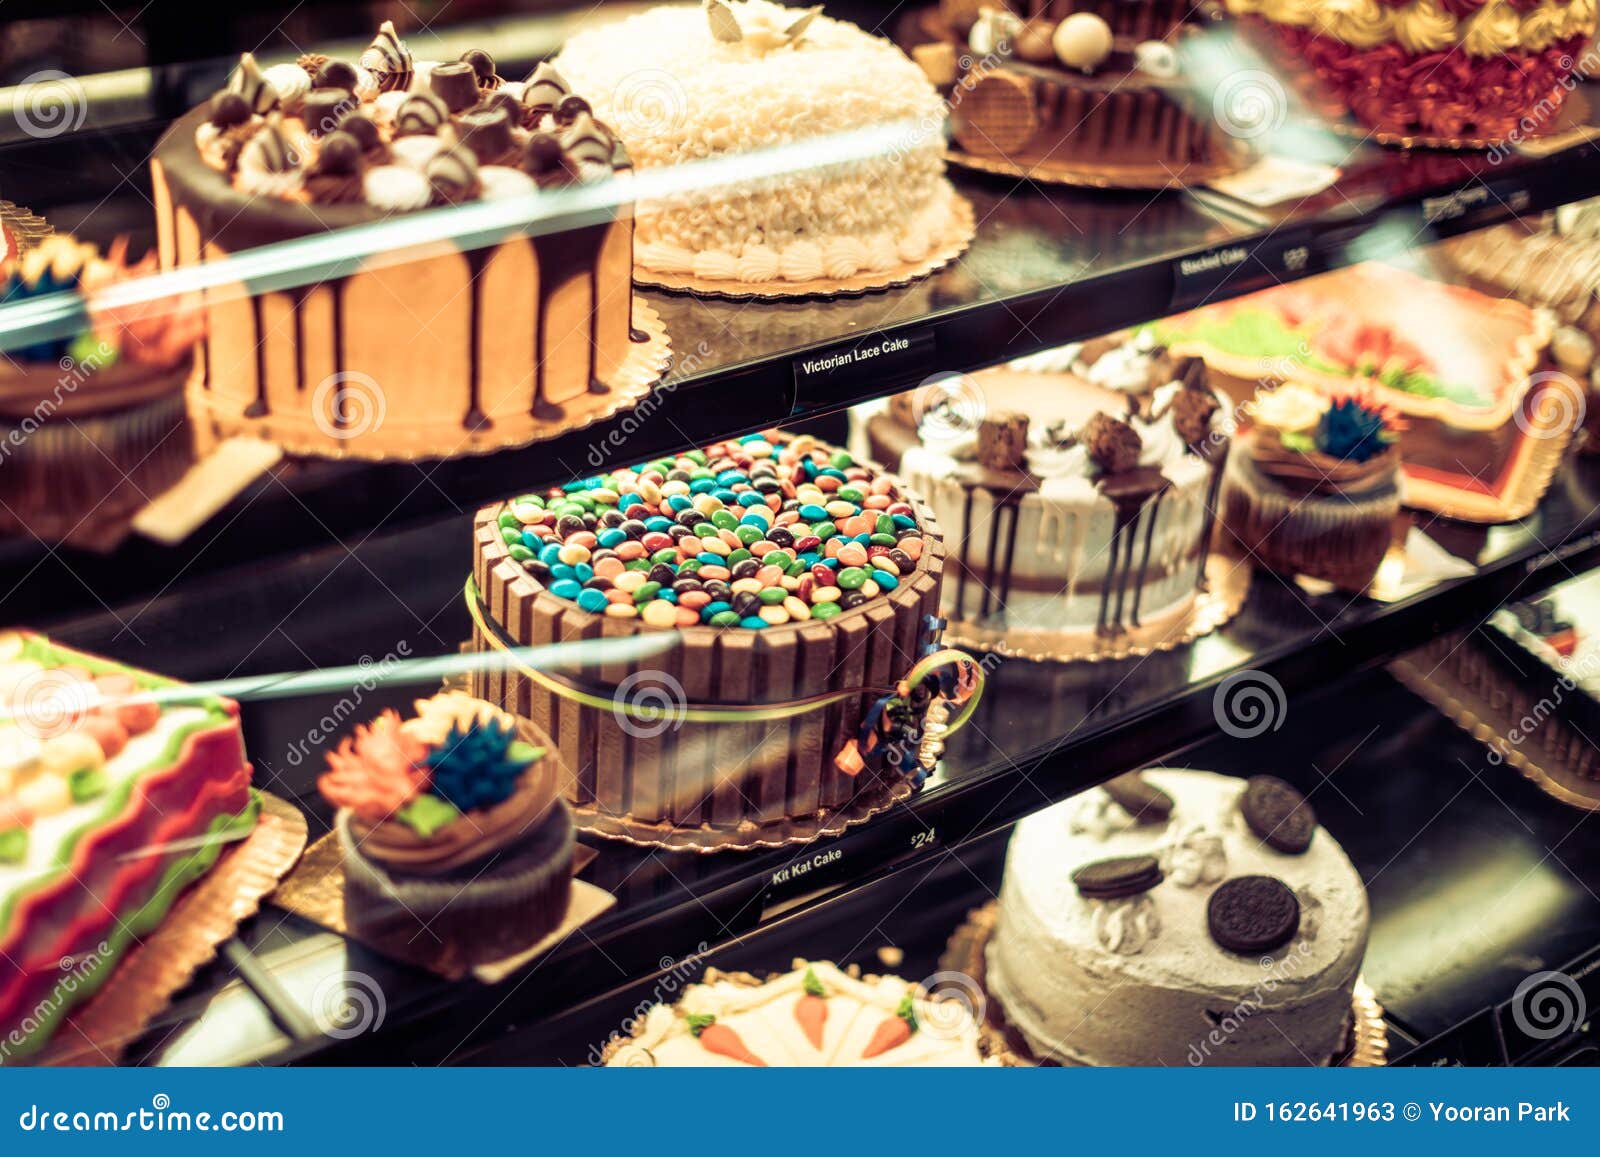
{"type": "Point", "coordinates": [376, 772]}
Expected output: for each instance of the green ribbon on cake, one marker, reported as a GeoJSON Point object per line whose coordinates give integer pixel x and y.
{"type": "Point", "coordinates": [603, 699]}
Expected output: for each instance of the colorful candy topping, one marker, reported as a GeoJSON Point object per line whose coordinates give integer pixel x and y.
{"type": "Point", "coordinates": [458, 755]}
{"type": "Point", "coordinates": [754, 532]}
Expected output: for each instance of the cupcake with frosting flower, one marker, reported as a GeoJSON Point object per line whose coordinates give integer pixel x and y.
{"type": "Point", "coordinates": [457, 846]}
{"type": "Point", "coordinates": [1313, 487]}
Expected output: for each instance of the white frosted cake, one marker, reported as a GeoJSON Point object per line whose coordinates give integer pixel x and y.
{"type": "Point", "coordinates": [684, 84]}
{"type": "Point", "coordinates": [1141, 977]}
{"type": "Point", "coordinates": [1077, 503]}
{"type": "Point", "coordinates": [812, 1016]}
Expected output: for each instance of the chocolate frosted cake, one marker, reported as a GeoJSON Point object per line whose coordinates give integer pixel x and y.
{"type": "Point", "coordinates": [1076, 493]}
{"type": "Point", "coordinates": [803, 587]}
{"type": "Point", "coordinates": [1088, 91]}
{"type": "Point", "coordinates": [1179, 918]}
{"type": "Point", "coordinates": [457, 847]}
{"type": "Point", "coordinates": [453, 352]}
{"type": "Point", "coordinates": [1313, 488]}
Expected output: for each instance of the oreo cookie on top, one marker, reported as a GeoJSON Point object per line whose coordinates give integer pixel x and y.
{"type": "Point", "coordinates": [1278, 814]}
{"type": "Point", "coordinates": [1117, 878]}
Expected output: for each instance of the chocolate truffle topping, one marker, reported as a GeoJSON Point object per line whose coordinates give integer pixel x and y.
{"type": "Point", "coordinates": [340, 155]}
{"type": "Point", "coordinates": [455, 84]}
{"type": "Point", "coordinates": [545, 160]}
{"type": "Point", "coordinates": [337, 74]}
{"type": "Point", "coordinates": [229, 109]}
{"type": "Point", "coordinates": [482, 65]}
{"type": "Point", "coordinates": [325, 108]}
{"type": "Point", "coordinates": [420, 114]}
{"type": "Point", "coordinates": [570, 109]}
{"type": "Point", "coordinates": [363, 129]}
{"type": "Point", "coordinates": [487, 133]}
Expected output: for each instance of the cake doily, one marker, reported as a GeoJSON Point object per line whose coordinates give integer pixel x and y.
{"type": "Point", "coordinates": [204, 918]}
{"type": "Point", "coordinates": [1227, 583]}
{"type": "Point", "coordinates": [1366, 1045]}
{"type": "Point", "coordinates": [961, 230]}
{"type": "Point", "coordinates": [23, 229]}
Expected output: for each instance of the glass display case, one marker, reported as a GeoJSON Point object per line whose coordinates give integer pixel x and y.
{"type": "Point", "coordinates": [539, 535]}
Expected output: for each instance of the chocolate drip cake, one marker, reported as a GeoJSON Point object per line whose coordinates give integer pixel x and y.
{"type": "Point", "coordinates": [1084, 91]}
{"type": "Point", "coordinates": [453, 352]}
{"type": "Point", "coordinates": [1089, 520]}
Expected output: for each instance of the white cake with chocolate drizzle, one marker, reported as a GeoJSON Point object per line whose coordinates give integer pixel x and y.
{"type": "Point", "coordinates": [684, 84]}
{"type": "Point", "coordinates": [1078, 495]}
{"type": "Point", "coordinates": [1179, 918]}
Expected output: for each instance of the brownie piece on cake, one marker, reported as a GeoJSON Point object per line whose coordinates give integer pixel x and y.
{"type": "Point", "coordinates": [790, 571]}
{"type": "Point", "coordinates": [1223, 928]}
{"type": "Point", "coordinates": [684, 84]}
{"type": "Point", "coordinates": [457, 847]}
{"type": "Point", "coordinates": [450, 353]}
{"type": "Point", "coordinates": [117, 790]}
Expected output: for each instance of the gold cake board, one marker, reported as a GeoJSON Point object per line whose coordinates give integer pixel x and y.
{"type": "Point", "coordinates": [962, 229]}
{"type": "Point", "coordinates": [205, 917]}
{"type": "Point", "coordinates": [1227, 584]}
{"type": "Point", "coordinates": [1366, 1047]}
{"type": "Point", "coordinates": [315, 892]}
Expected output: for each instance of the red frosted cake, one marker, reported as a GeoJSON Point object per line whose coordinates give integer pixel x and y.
{"type": "Point", "coordinates": [117, 790]}
{"type": "Point", "coordinates": [1482, 69]}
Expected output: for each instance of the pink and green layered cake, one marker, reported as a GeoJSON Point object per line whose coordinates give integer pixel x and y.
{"type": "Point", "coordinates": [118, 789]}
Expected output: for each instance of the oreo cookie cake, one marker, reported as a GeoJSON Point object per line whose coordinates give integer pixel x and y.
{"type": "Point", "coordinates": [1179, 917]}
